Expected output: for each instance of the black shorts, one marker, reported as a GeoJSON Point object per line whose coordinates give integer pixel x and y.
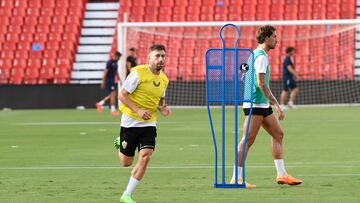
{"type": "Point", "coordinates": [111, 86]}
{"type": "Point", "coordinates": [289, 84]}
{"type": "Point", "coordinates": [137, 137]}
{"type": "Point", "coordinates": [259, 111]}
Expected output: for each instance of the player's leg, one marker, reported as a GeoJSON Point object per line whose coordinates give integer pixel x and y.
{"type": "Point", "coordinates": [293, 94]}
{"type": "Point", "coordinates": [254, 127]}
{"type": "Point", "coordinates": [284, 94]}
{"type": "Point", "coordinates": [113, 92]}
{"type": "Point", "coordinates": [272, 126]}
{"type": "Point", "coordinates": [100, 104]}
{"type": "Point", "coordinates": [114, 111]}
{"type": "Point", "coordinates": [146, 144]}
{"type": "Point", "coordinates": [127, 143]}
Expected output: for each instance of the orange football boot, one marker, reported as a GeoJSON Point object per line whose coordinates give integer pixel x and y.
{"type": "Point", "coordinates": [288, 179]}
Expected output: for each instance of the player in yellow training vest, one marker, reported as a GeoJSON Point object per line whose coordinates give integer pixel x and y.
{"type": "Point", "coordinates": [142, 94]}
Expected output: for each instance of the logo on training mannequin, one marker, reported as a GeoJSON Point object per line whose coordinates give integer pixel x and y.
{"type": "Point", "coordinates": [244, 67]}
{"type": "Point", "coordinates": [156, 84]}
{"type": "Point", "coordinates": [124, 144]}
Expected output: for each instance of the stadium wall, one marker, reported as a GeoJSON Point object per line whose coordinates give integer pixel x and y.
{"type": "Point", "coordinates": [179, 93]}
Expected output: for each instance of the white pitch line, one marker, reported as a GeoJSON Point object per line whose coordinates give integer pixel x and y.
{"type": "Point", "coordinates": [82, 123]}
{"type": "Point", "coordinates": [66, 167]}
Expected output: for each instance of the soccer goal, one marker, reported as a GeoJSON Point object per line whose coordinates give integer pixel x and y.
{"type": "Point", "coordinates": [326, 56]}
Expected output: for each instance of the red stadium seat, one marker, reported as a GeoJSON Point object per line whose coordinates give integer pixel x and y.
{"type": "Point", "coordinates": [20, 63]}
{"type": "Point", "coordinates": [19, 54]}
{"type": "Point", "coordinates": [33, 11]}
{"type": "Point", "coordinates": [35, 55]}
{"type": "Point", "coordinates": [49, 54]}
{"type": "Point", "coordinates": [48, 4]}
{"type": "Point", "coordinates": [62, 4]}
{"type": "Point", "coordinates": [7, 54]}
{"type": "Point", "coordinates": [12, 37]}
{"type": "Point", "coordinates": [43, 28]}
{"type": "Point", "coordinates": [10, 46]}
{"type": "Point", "coordinates": [31, 73]}
{"type": "Point", "coordinates": [47, 11]}
{"type": "Point", "coordinates": [61, 80]}
{"type": "Point", "coordinates": [75, 11]}
{"type": "Point", "coordinates": [57, 28]}
{"type": "Point", "coordinates": [46, 73]}
{"type": "Point", "coordinates": [30, 20]}
{"type": "Point", "coordinates": [17, 73]}
{"type": "Point", "coordinates": [24, 45]}
{"type": "Point", "coordinates": [14, 29]}
{"type": "Point", "coordinates": [34, 4]}
{"type": "Point", "coordinates": [61, 73]}
{"type": "Point", "coordinates": [4, 75]}
{"type": "Point", "coordinates": [68, 46]}
{"type": "Point", "coordinates": [61, 11]}
{"type": "Point", "coordinates": [53, 45]}
{"type": "Point", "coordinates": [63, 63]}
{"type": "Point", "coordinates": [27, 37]}
{"type": "Point", "coordinates": [7, 4]}
{"type": "Point", "coordinates": [5, 63]}
{"type": "Point", "coordinates": [45, 20]}
{"type": "Point", "coordinates": [34, 63]}
{"type": "Point", "coordinates": [65, 54]}
{"type": "Point", "coordinates": [59, 20]}
{"type": "Point", "coordinates": [73, 28]}
{"type": "Point", "coordinates": [49, 63]}
{"type": "Point", "coordinates": [40, 37]}
{"type": "Point", "coordinates": [74, 19]}
{"type": "Point", "coordinates": [55, 36]}
{"type": "Point", "coordinates": [166, 3]}
{"type": "Point", "coordinates": [17, 20]}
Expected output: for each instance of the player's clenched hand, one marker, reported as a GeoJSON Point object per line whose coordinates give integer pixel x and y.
{"type": "Point", "coordinates": [144, 114]}
{"type": "Point", "coordinates": [165, 110]}
{"type": "Point", "coordinates": [279, 112]}
{"type": "Point", "coordinates": [102, 85]}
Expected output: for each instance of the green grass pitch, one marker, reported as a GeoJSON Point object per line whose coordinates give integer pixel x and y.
{"type": "Point", "coordinates": [68, 156]}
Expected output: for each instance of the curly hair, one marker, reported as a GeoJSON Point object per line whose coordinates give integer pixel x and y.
{"type": "Point", "coordinates": [263, 32]}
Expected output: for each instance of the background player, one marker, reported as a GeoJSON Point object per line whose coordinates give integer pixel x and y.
{"type": "Point", "coordinates": [109, 83]}
{"type": "Point", "coordinates": [290, 76]}
{"type": "Point", "coordinates": [131, 60]}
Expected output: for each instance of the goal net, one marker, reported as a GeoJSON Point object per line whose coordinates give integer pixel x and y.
{"type": "Point", "coordinates": [325, 56]}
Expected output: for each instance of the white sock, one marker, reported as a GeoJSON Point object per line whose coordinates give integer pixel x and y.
{"type": "Point", "coordinates": [280, 168]}
{"type": "Point", "coordinates": [113, 108]}
{"type": "Point", "coordinates": [239, 172]}
{"type": "Point", "coordinates": [102, 102]}
{"type": "Point", "coordinates": [290, 103]}
{"type": "Point", "coordinates": [131, 186]}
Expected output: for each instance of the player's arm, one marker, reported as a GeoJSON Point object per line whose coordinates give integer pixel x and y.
{"type": "Point", "coordinates": [292, 71]}
{"type": "Point", "coordinates": [164, 108]}
{"type": "Point", "coordinates": [128, 66]}
{"type": "Point", "coordinates": [104, 77]}
{"type": "Point", "coordinates": [267, 92]}
{"type": "Point", "coordinates": [124, 98]}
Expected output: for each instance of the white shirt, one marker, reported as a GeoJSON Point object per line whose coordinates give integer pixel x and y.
{"type": "Point", "coordinates": [130, 84]}
{"type": "Point", "coordinates": [260, 65]}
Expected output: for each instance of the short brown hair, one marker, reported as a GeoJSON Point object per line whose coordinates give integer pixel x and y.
{"type": "Point", "coordinates": [288, 50]}
{"type": "Point", "coordinates": [158, 47]}
{"type": "Point", "coordinates": [263, 32]}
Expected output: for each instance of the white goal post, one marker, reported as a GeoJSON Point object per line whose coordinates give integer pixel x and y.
{"type": "Point", "coordinates": [329, 44]}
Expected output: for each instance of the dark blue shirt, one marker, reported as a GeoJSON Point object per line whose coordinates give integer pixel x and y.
{"type": "Point", "coordinates": [112, 67]}
{"type": "Point", "coordinates": [286, 73]}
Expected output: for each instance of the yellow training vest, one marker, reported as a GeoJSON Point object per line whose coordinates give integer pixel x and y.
{"type": "Point", "coordinates": [147, 94]}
